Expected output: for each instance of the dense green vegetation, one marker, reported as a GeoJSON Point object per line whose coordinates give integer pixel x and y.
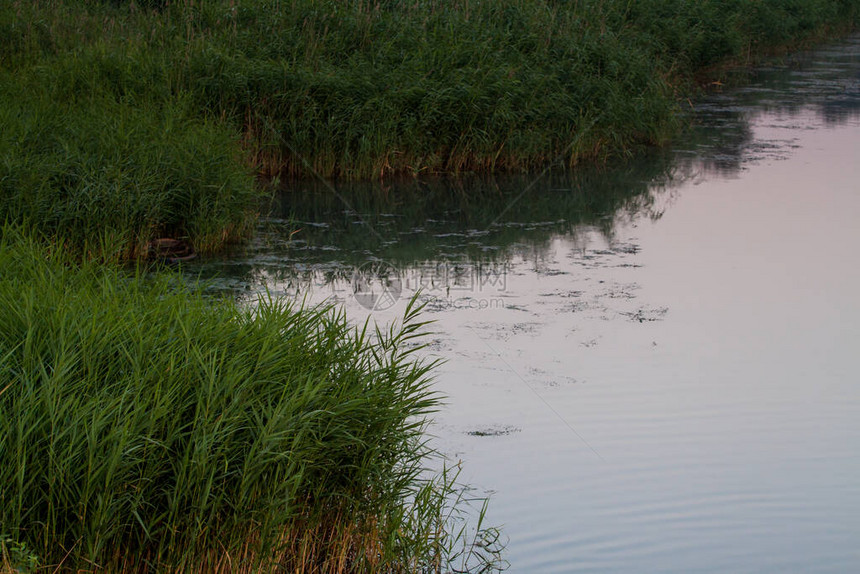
{"type": "Point", "coordinates": [145, 427]}
{"type": "Point", "coordinates": [147, 115]}
{"type": "Point", "coordinates": [106, 177]}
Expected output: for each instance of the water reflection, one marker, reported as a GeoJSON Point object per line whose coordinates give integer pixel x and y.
{"type": "Point", "coordinates": [318, 233]}
{"type": "Point", "coordinates": [810, 87]}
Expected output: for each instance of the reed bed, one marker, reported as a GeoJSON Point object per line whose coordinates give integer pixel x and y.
{"type": "Point", "coordinates": [125, 121]}
{"type": "Point", "coordinates": [103, 177]}
{"type": "Point", "coordinates": [366, 89]}
{"type": "Point", "coordinates": [147, 428]}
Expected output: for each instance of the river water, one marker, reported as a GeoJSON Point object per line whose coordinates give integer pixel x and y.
{"type": "Point", "coordinates": [653, 367]}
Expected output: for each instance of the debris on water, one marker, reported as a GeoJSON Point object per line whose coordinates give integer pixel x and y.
{"type": "Point", "coordinates": [644, 314]}
{"type": "Point", "coordinates": [627, 248]}
{"type": "Point", "coordinates": [574, 307]}
{"type": "Point", "coordinates": [494, 431]}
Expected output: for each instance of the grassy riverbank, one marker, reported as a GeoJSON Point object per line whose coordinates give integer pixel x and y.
{"type": "Point", "coordinates": [153, 115]}
{"type": "Point", "coordinates": [145, 428]}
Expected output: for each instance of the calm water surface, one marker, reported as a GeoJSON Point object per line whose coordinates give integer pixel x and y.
{"type": "Point", "coordinates": [654, 368]}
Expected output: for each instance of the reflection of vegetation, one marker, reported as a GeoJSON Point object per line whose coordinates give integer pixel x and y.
{"type": "Point", "coordinates": [146, 428]}
{"type": "Point", "coordinates": [822, 82]}
{"type": "Point", "coordinates": [319, 234]}
{"type": "Point", "coordinates": [472, 217]}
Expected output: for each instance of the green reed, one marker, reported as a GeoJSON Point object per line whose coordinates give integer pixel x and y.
{"type": "Point", "coordinates": [366, 89]}
{"type": "Point", "coordinates": [104, 177]}
{"type": "Point", "coordinates": [146, 427]}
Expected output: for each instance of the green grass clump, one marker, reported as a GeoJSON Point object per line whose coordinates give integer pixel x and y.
{"type": "Point", "coordinates": [104, 177]}
{"type": "Point", "coordinates": [146, 428]}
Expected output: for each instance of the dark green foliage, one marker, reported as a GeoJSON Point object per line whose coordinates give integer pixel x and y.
{"type": "Point", "coordinates": [693, 35]}
{"type": "Point", "coordinates": [365, 89]}
{"type": "Point", "coordinates": [103, 177]}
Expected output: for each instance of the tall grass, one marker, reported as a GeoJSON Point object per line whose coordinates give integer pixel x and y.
{"type": "Point", "coordinates": [146, 428]}
{"type": "Point", "coordinates": [366, 89]}
{"type": "Point", "coordinates": [105, 177]}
